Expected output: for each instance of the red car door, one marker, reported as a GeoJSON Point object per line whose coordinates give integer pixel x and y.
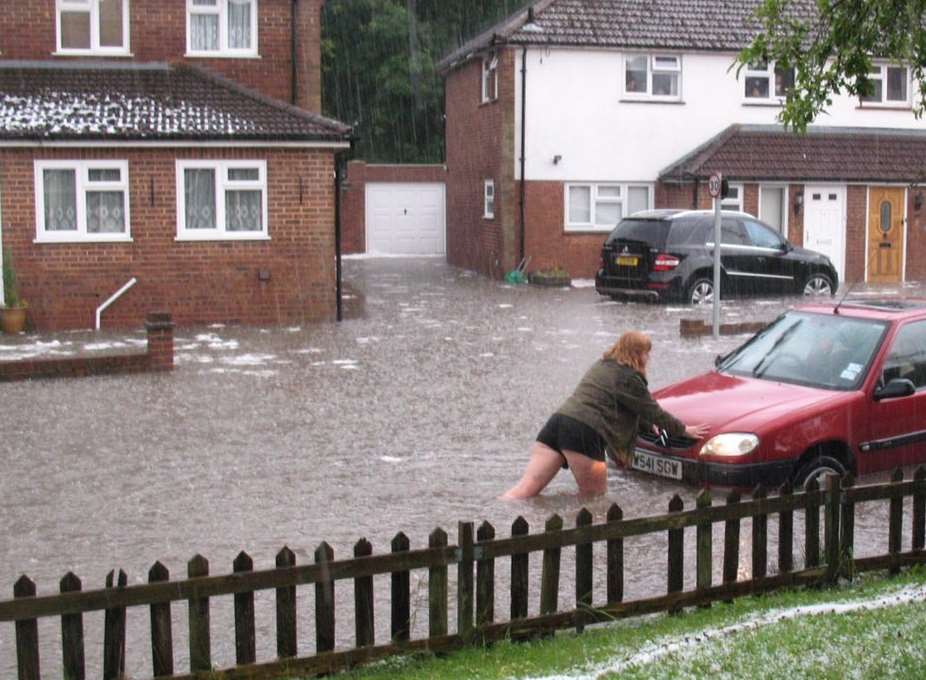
{"type": "Point", "coordinates": [897, 427]}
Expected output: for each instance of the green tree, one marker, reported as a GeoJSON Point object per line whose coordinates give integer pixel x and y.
{"type": "Point", "coordinates": [832, 49]}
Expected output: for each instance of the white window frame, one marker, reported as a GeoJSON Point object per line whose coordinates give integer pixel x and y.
{"type": "Point", "coordinates": [488, 196]}
{"type": "Point", "coordinates": [490, 78]}
{"type": "Point", "coordinates": [879, 73]}
{"type": "Point", "coordinates": [221, 10]}
{"type": "Point", "coordinates": [651, 69]}
{"type": "Point", "coordinates": [768, 73]}
{"type": "Point", "coordinates": [734, 203]}
{"type": "Point", "coordinates": [93, 8]}
{"type": "Point", "coordinates": [222, 184]}
{"type": "Point", "coordinates": [82, 186]}
{"type": "Point", "coordinates": [595, 199]}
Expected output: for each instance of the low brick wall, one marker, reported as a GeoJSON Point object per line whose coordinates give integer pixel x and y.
{"type": "Point", "coordinates": [691, 328]}
{"type": "Point", "coordinates": [159, 356]}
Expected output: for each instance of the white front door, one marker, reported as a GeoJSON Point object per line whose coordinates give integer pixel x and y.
{"type": "Point", "coordinates": [825, 223]}
{"type": "Point", "coordinates": [405, 219]}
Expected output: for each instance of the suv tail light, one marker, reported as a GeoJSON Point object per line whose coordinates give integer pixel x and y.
{"type": "Point", "coordinates": [665, 262]}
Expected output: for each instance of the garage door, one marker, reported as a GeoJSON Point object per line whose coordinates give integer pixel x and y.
{"type": "Point", "coordinates": [405, 219]}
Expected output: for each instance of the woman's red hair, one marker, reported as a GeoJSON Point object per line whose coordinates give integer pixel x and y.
{"type": "Point", "coordinates": [629, 350]}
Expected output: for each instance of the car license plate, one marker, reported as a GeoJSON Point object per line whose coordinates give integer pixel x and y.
{"type": "Point", "coordinates": [627, 261]}
{"type": "Point", "coordinates": [656, 465]}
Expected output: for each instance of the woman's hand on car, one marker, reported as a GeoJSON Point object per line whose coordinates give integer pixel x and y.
{"type": "Point", "coordinates": [696, 431]}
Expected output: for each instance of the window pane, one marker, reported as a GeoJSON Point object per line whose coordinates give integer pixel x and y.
{"type": "Point", "coordinates": [665, 84]}
{"type": "Point", "coordinates": [636, 74]}
{"type": "Point", "coordinates": [243, 174]}
{"type": "Point", "coordinates": [111, 23]}
{"type": "Point", "coordinates": [885, 216]}
{"type": "Point", "coordinates": [75, 30]}
{"type": "Point", "coordinates": [608, 213]}
{"type": "Point", "coordinates": [896, 84]}
{"type": "Point", "coordinates": [205, 3]}
{"type": "Point", "coordinates": [60, 192]}
{"type": "Point", "coordinates": [199, 197]}
{"type": "Point", "coordinates": [609, 191]}
{"type": "Point", "coordinates": [105, 212]}
{"type": "Point", "coordinates": [243, 210]}
{"type": "Point", "coordinates": [757, 87]}
{"type": "Point", "coordinates": [907, 358]}
{"type": "Point", "coordinates": [784, 81]}
{"type": "Point", "coordinates": [874, 91]}
{"type": "Point", "coordinates": [637, 199]}
{"type": "Point", "coordinates": [205, 32]}
{"type": "Point", "coordinates": [104, 174]}
{"type": "Point", "coordinates": [239, 24]}
{"type": "Point", "coordinates": [580, 207]}
{"type": "Point", "coordinates": [665, 63]}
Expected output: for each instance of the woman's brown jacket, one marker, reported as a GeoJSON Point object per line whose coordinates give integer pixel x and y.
{"type": "Point", "coordinates": [614, 400]}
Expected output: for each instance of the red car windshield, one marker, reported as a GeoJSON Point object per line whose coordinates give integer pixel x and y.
{"type": "Point", "coordinates": [821, 350]}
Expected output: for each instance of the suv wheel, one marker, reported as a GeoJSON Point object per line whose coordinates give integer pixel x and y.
{"type": "Point", "coordinates": [700, 291]}
{"type": "Point", "coordinates": [817, 468]}
{"type": "Point", "coordinates": [818, 284]}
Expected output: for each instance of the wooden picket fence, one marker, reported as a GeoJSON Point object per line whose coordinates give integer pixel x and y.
{"type": "Point", "coordinates": [475, 559]}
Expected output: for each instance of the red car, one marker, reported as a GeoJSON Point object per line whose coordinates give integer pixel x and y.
{"type": "Point", "coordinates": [824, 388]}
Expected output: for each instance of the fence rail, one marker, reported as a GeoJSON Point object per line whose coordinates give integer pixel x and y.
{"type": "Point", "coordinates": [474, 557]}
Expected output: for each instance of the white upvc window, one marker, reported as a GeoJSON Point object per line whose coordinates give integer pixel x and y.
{"type": "Point", "coordinates": [734, 199]}
{"type": "Point", "coordinates": [81, 201]}
{"type": "Point", "coordinates": [656, 76]}
{"type": "Point", "coordinates": [92, 26]}
{"type": "Point", "coordinates": [221, 200]}
{"type": "Point", "coordinates": [600, 206]}
{"type": "Point", "coordinates": [889, 86]}
{"type": "Point", "coordinates": [490, 77]}
{"type": "Point", "coordinates": [766, 82]}
{"type": "Point", "coordinates": [488, 194]}
{"type": "Point", "coordinates": [221, 28]}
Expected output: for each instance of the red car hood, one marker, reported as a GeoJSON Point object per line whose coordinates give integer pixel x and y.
{"type": "Point", "coordinates": [728, 403]}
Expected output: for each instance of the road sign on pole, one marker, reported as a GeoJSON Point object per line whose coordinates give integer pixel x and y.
{"type": "Point", "coordinates": [715, 184]}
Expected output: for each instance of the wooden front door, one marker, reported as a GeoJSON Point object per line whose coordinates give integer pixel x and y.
{"type": "Point", "coordinates": [885, 234]}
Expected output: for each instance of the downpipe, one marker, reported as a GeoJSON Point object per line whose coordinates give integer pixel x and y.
{"type": "Point", "coordinates": [115, 296]}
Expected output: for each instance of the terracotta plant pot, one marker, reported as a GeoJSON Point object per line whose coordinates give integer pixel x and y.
{"type": "Point", "coordinates": [553, 279]}
{"type": "Point", "coordinates": [13, 319]}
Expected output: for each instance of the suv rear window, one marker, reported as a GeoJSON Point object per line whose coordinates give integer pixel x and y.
{"type": "Point", "coordinates": [651, 232]}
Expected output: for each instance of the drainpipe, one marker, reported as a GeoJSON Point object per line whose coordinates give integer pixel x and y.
{"type": "Point", "coordinates": [337, 223]}
{"type": "Point", "coordinates": [523, 142]}
{"type": "Point", "coordinates": [293, 41]}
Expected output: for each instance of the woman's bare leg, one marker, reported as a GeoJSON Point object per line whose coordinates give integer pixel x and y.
{"type": "Point", "coordinates": [541, 468]}
{"type": "Point", "coordinates": [591, 475]}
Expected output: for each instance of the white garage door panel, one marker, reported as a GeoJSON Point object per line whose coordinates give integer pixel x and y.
{"type": "Point", "coordinates": [405, 219]}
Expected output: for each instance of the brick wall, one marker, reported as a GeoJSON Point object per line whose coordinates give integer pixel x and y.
{"type": "Point", "coordinates": [856, 230]}
{"type": "Point", "coordinates": [916, 235]}
{"type": "Point", "coordinates": [680, 196]}
{"type": "Point", "coordinates": [158, 33]}
{"type": "Point", "coordinates": [480, 146]}
{"type": "Point", "coordinates": [197, 282]}
{"type": "Point", "coordinates": [353, 195]}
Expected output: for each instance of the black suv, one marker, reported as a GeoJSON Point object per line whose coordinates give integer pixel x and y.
{"type": "Point", "coordinates": [669, 255]}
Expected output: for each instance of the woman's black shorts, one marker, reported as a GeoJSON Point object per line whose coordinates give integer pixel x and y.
{"type": "Point", "coordinates": [565, 433]}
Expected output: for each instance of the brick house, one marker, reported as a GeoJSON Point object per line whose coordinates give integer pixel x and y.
{"type": "Point", "coordinates": [572, 113]}
{"type": "Point", "coordinates": [175, 143]}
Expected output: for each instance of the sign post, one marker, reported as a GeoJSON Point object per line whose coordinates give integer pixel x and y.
{"type": "Point", "coordinates": [715, 187]}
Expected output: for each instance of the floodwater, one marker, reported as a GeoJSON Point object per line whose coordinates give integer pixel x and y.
{"type": "Point", "coordinates": [415, 413]}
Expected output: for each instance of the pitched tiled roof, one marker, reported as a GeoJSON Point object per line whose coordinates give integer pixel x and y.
{"type": "Point", "coordinates": [81, 101]}
{"type": "Point", "coordinates": [696, 25]}
{"type": "Point", "coordinates": [770, 153]}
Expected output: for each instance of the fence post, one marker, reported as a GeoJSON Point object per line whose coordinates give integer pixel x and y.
{"type": "Point", "coordinates": [895, 526]}
{"type": "Point", "coordinates": [731, 543]}
{"type": "Point", "coordinates": [200, 644]}
{"type": "Point", "coordinates": [114, 633]}
{"type": "Point", "coordinates": [27, 635]}
{"type": "Point", "coordinates": [615, 559]}
{"type": "Point", "coordinates": [485, 579]}
{"type": "Point", "coordinates": [704, 540]}
{"type": "Point", "coordinates": [519, 573]}
{"type": "Point", "coordinates": [324, 601]}
{"type": "Point", "coordinates": [437, 588]}
{"type": "Point", "coordinates": [465, 580]}
{"type": "Point", "coordinates": [549, 576]}
{"type": "Point", "coordinates": [72, 634]}
{"type": "Point", "coordinates": [786, 531]}
{"type": "Point", "coordinates": [833, 503]}
{"type": "Point", "coordinates": [286, 608]}
{"type": "Point", "coordinates": [812, 525]}
{"type": "Point", "coordinates": [584, 567]}
{"type": "Point", "coordinates": [676, 551]}
{"type": "Point", "coordinates": [400, 608]}
{"type": "Point", "coordinates": [245, 643]}
{"type": "Point", "coordinates": [162, 645]}
{"type": "Point", "coordinates": [363, 599]}
{"type": "Point", "coordinates": [847, 529]}
{"type": "Point", "coordinates": [919, 509]}
{"type": "Point", "coordinates": [759, 537]}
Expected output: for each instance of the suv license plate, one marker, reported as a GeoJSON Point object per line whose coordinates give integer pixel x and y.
{"type": "Point", "coordinates": [656, 465]}
{"type": "Point", "coordinates": [627, 261]}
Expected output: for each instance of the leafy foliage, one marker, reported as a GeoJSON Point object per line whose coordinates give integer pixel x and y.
{"type": "Point", "coordinates": [11, 296]}
{"type": "Point", "coordinates": [832, 50]}
{"type": "Point", "coordinates": [378, 70]}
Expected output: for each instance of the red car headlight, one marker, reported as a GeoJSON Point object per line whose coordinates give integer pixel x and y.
{"type": "Point", "coordinates": [730, 444]}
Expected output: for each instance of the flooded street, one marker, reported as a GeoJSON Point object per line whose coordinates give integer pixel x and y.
{"type": "Point", "coordinates": [416, 414]}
